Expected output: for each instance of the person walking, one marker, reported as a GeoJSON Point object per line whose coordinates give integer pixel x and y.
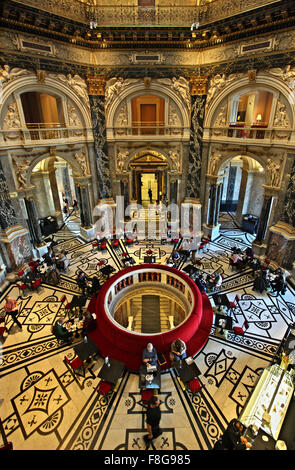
{"type": "Point", "coordinates": [153, 418]}
{"type": "Point", "coordinates": [150, 195]}
{"type": "Point", "coordinates": [10, 307]}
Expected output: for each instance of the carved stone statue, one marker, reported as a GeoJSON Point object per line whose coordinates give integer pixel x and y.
{"type": "Point", "coordinates": [121, 160]}
{"type": "Point", "coordinates": [213, 162]}
{"type": "Point", "coordinates": [74, 120]}
{"type": "Point", "coordinates": [221, 117]}
{"type": "Point", "coordinates": [287, 74]}
{"type": "Point", "coordinates": [12, 119]}
{"type": "Point", "coordinates": [175, 159]}
{"type": "Point", "coordinates": [273, 173]}
{"type": "Point", "coordinates": [20, 171]}
{"type": "Point", "coordinates": [7, 73]}
{"type": "Point", "coordinates": [216, 83]}
{"type": "Point", "coordinates": [113, 87]}
{"type": "Point", "coordinates": [281, 118]}
{"type": "Point", "coordinates": [181, 85]}
{"type": "Point", "coordinates": [81, 159]}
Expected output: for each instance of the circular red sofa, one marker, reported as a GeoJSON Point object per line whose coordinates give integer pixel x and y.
{"type": "Point", "coordinates": [126, 346]}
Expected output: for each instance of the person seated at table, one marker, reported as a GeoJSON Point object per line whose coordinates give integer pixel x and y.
{"type": "Point", "coordinates": [237, 259]}
{"type": "Point", "coordinates": [63, 262]}
{"type": "Point", "coordinates": [50, 257]}
{"type": "Point", "coordinates": [199, 281]}
{"type": "Point", "coordinates": [61, 332]}
{"type": "Point", "coordinates": [149, 355]}
{"type": "Point", "coordinates": [277, 285]}
{"type": "Point", "coordinates": [249, 253]}
{"type": "Point", "coordinates": [53, 276]}
{"type": "Point", "coordinates": [82, 281]}
{"type": "Point", "coordinates": [96, 286]}
{"type": "Point", "coordinates": [89, 323]}
{"type": "Point", "coordinates": [232, 438]}
{"type": "Point", "coordinates": [260, 283]}
{"type": "Point", "coordinates": [178, 351]}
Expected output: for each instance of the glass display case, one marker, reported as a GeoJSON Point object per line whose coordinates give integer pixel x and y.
{"type": "Point", "coordinates": [269, 401]}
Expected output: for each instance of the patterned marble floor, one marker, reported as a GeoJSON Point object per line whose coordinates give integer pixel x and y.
{"type": "Point", "coordinates": [44, 406]}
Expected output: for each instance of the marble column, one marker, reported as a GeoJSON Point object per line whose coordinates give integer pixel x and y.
{"type": "Point", "coordinates": [214, 193]}
{"type": "Point", "coordinates": [195, 149]}
{"type": "Point", "coordinates": [67, 185]}
{"type": "Point", "coordinates": [264, 218]}
{"type": "Point", "coordinates": [83, 199]}
{"type": "Point", "coordinates": [15, 245]}
{"type": "Point", "coordinates": [270, 198]}
{"type": "Point", "coordinates": [242, 192]}
{"type": "Point", "coordinates": [34, 228]}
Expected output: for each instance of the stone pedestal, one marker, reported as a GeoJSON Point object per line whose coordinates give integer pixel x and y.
{"type": "Point", "coordinates": [18, 249]}
{"type": "Point", "coordinates": [259, 250]}
{"type": "Point", "coordinates": [191, 222]}
{"type": "Point", "coordinates": [213, 231]}
{"type": "Point", "coordinates": [39, 251]}
{"type": "Point", "coordinates": [87, 233]}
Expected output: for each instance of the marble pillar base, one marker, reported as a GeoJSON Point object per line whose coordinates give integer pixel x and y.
{"type": "Point", "coordinates": [87, 233]}
{"type": "Point", "coordinates": [39, 251]}
{"type": "Point", "coordinates": [17, 246]}
{"type": "Point", "coordinates": [259, 250]}
{"type": "Point", "coordinates": [214, 231]}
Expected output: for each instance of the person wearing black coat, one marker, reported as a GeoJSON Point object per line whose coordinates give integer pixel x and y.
{"type": "Point", "coordinates": [260, 283]}
{"type": "Point", "coordinates": [232, 438]}
{"type": "Point", "coordinates": [278, 285]}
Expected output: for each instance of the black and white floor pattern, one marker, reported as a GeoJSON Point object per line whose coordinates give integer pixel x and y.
{"type": "Point", "coordinates": [43, 405]}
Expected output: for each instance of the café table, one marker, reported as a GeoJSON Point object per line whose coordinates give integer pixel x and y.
{"type": "Point", "coordinates": [144, 383]}
{"type": "Point", "coordinates": [112, 372]}
{"type": "Point", "coordinates": [107, 270]}
{"type": "Point", "coordinates": [86, 349]}
{"type": "Point", "coordinates": [220, 318]}
{"type": "Point", "coordinates": [187, 369]}
{"type": "Point", "coordinates": [223, 300]}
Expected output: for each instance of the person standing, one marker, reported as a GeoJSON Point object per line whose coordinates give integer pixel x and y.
{"type": "Point", "coordinates": [150, 195]}
{"type": "Point", "coordinates": [153, 418]}
{"type": "Point", "coordinates": [232, 438]}
{"type": "Point", "coordinates": [10, 307]}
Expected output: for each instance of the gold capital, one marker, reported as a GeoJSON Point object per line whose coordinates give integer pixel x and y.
{"type": "Point", "coordinates": [96, 85]}
{"type": "Point", "coordinates": [198, 85]}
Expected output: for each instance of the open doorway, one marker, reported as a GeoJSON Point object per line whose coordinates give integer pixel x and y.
{"type": "Point", "coordinates": [242, 193]}
{"type": "Point", "coordinates": [55, 196]}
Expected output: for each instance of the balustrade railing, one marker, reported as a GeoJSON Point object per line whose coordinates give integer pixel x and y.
{"type": "Point", "coordinates": [149, 129]}
{"type": "Point", "coordinates": [204, 11]}
{"type": "Point", "coordinates": [251, 133]}
{"type": "Point", "coordinates": [39, 133]}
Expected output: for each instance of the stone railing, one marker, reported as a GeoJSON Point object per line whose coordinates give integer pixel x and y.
{"type": "Point", "coordinates": [152, 129]}
{"type": "Point", "coordinates": [253, 133]}
{"type": "Point", "coordinates": [25, 136]}
{"type": "Point", "coordinates": [132, 15]}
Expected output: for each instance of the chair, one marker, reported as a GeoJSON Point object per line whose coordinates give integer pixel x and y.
{"type": "Point", "coordinates": [75, 364]}
{"type": "Point", "coordinates": [21, 273]}
{"type": "Point", "coordinates": [201, 247]}
{"type": "Point", "coordinates": [36, 284]}
{"type": "Point", "coordinates": [3, 328]}
{"type": "Point", "coordinates": [68, 305]}
{"type": "Point", "coordinates": [115, 244]}
{"type": "Point", "coordinates": [102, 246]}
{"type": "Point", "coordinates": [233, 305]}
{"type": "Point", "coordinates": [146, 395]}
{"type": "Point", "coordinates": [22, 287]}
{"type": "Point", "coordinates": [194, 386]}
{"type": "Point", "coordinates": [94, 246]}
{"type": "Point", "coordinates": [239, 330]}
{"type": "Point", "coordinates": [104, 388]}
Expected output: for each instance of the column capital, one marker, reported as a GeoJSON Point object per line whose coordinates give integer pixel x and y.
{"type": "Point", "coordinates": [198, 84]}
{"type": "Point", "coordinates": [96, 85]}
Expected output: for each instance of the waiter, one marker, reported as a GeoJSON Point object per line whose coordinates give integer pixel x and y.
{"type": "Point", "coordinates": [153, 418]}
{"type": "Point", "coordinates": [10, 307]}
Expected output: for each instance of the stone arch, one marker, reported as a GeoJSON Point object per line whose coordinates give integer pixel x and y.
{"type": "Point", "coordinates": [51, 86]}
{"type": "Point", "coordinates": [136, 89]}
{"type": "Point", "coordinates": [68, 158]}
{"type": "Point", "coordinates": [264, 81]}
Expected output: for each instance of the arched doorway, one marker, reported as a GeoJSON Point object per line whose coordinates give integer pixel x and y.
{"type": "Point", "coordinates": [149, 175]}
{"type": "Point", "coordinates": [53, 178]}
{"type": "Point", "coordinates": [242, 192]}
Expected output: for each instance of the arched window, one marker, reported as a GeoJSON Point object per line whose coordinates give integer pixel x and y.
{"type": "Point", "coordinates": [42, 110]}
{"type": "Point", "coordinates": [252, 108]}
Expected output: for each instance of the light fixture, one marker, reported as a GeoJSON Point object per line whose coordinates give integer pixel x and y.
{"type": "Point", "coordinates": [258, 117]}
{"type": "Point", "coordinates": [195, 25]}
